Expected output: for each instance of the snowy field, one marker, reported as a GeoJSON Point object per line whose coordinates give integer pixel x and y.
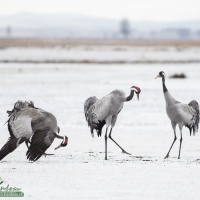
{"type": "Point", "coordinates": [102, 54]}
{"type": "Point", "coordinates": [143, 129]}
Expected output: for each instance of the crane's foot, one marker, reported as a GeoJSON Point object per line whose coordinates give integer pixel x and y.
{"type": "Point", "coordinates": [123, 151]}
{"type": "Point", "coordinates": [167, 156]}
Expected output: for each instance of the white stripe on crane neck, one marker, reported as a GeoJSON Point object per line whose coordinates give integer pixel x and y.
{"type": "Point", "coordinates": [134, 89]}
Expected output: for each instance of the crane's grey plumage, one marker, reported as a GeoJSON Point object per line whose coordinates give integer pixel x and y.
{"type": "Point", "coordinates": [105, 111]}
{"type": "Point", "coordinates": [180, 114]}
{"type": "Point", "coordinates": [32, 125]}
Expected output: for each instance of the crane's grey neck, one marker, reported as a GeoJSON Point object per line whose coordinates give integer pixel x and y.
{"type": "Point", "coordinates": [169, 100]}
{"type": "Point", "coordinates": [164, 86]}
{"type": "Point", "coordinates": [130, 96]}
{"type": "Point", "coordinates": [58, 136]}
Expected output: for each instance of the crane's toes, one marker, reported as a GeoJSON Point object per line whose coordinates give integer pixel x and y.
{"type": "Point", "coordinates": [47, 154]}
{"type": "Point", "coordinates": [123, 151]}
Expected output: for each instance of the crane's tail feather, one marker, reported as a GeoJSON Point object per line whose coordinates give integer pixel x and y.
{"type": "Point", "coordinates": [194, 127]}
{"type": "Point", "coordinates": [90, 101]}
{"type": "Point", "coordinates": [91, 117]}
{"type": "Point", "coordinates": [99, 127]}
{"type": "Point", "coordinates": [10, 146]}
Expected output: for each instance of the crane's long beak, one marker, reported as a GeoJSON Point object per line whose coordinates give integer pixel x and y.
{"type": "Point", "coordinates": [58, 147]}
{"type": "Point", "coordinates": [157, 76]}
{"type": "Point", "coordinates": [138, 96]}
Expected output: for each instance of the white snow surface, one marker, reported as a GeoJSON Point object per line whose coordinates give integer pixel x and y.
{"type": "Point", "coordinates": [143, 129]}
{"type": "Point", "coordinates": [101, 54]}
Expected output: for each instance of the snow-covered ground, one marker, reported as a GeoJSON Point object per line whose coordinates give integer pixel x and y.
{"type": "Point", "coordinates": [116, 54]}
{"type": "Point", "coordinates": [79, 171]}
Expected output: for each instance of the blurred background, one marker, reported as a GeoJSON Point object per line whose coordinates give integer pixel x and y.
{"type": "Point", "coordinates": [102, 20]}
{"type": "Point", "coordinates": [50, 23]}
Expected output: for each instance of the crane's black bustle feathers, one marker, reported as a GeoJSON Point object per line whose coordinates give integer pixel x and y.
{"type": "Point", "coordinates": [98, 127]}
{"type": "Point", "coordinates": [195, 119]}
{"type": "Point", "coordinates": [10, 146]}
{"type": "Point", "coordinates": [91, 117]}
{"type": "Point", "coordinates": [190, 129]}
{"type": "Point", "coordinates": [94, 123]}
{"type": "Point", "coordinates": [40, 142]}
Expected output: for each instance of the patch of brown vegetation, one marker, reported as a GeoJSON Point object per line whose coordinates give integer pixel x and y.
{"type": "Point", "coordinates": [31, 42]}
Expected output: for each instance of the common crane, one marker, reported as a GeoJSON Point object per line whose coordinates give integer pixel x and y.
{"type": "Point", "coordinates": [32, 125]}
{"type": "Point", "coordinates": [105, 111]}
{"type": "Point", "coordinates": [180, 113]}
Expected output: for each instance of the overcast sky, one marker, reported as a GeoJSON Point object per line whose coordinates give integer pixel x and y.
{"type": "Point", "coordinates": [159, 10]}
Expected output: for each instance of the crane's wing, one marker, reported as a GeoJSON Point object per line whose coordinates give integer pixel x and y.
{"type": "Point", "coordinates": [10, 146]}
{"type": "Point", "coordinates": [24, 122]}
{"type": "Point", "coordinates": [195, 117]}
{"type": "Point", "coordinates": [91, 117]}
{"type": "Point", "coordinates": [40, 142]}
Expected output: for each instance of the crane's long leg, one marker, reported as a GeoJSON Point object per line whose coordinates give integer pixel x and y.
{"type": "Point", "coordinates": [180, 146]}
{"type": "Point", "coordinates": [106, 144]}
{"type": "Point", "coordinates": [174, 128]}
{"type": "Point", "coordinates": [123, 151]}
{"type": "Point", "coordinates": [180, 127]}
{"type": "Point", "coordinates": [171, 145]}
